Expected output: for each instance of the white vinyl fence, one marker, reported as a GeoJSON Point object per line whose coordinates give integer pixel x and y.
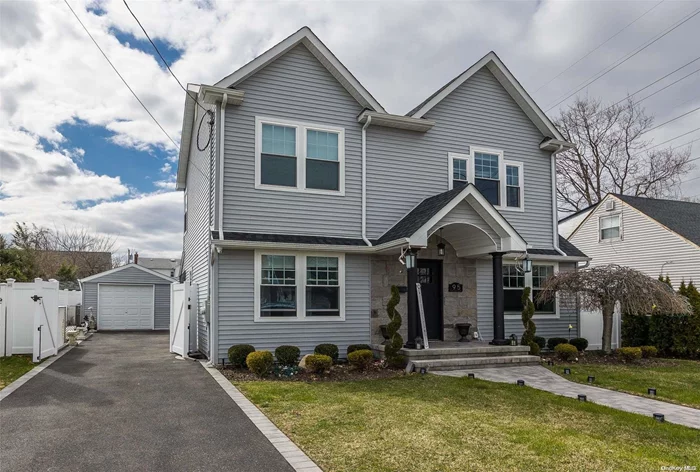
{"type": "Point", "coordinates": [30, 319]}
{"type": "Point", "coordinates": [183, 318]}
{"type": "Point", "coordinates": [591, 327]}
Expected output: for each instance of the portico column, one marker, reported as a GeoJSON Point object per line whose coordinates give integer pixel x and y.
{"type": "Point", "coordinates": [499, 324]}
{"type": "Point", "coordinates": [412, 299]}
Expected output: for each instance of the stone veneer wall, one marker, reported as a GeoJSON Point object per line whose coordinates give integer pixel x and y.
{"type": "Point", "coordinates": [458, 307]}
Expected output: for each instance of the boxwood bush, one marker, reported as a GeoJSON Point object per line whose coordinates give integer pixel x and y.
{"type": "Point", "coordinates": [287, 355]}
{"type": "Point", "coordinates": [319, 363]}
{"type": "Point", "coordinates": [541, 342]}
{"type": "Point", "coordinates": [358, 347]}
{"type": "Point", "coordinates": [361, 359]}
{"type": "Point", "coordinates": [260, 362]}
{"type": "Point", "coordinates": [629, 354]}
{"type": "Point", "coordinates": [580, 343]}
{"type": "Point", "coordinates": [330, 350]}
{"type": "Point", "coordinates": [238, 353]}
{"type": "Point", "coordinates": [566, 351]}
{"type": "Point", "coordinates": [649, 351]}
{"type": "Point", "coordinates": [553, 342]}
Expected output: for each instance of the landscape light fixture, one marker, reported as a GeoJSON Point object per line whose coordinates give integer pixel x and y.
{"type": "Point", "coordinates": [423, 371]}
{"type": "Point", "coordinates": [470, 375]}
{"type": "Point", "coordinates": [659, 417]}
{"type": "Point", "coordinates": [521, 383]}
{"type": "Point", "coordinates": [651, 391]}
{"type": "Point", "coordinates": [591, 379]}
{"type": "Point", "coordinates": [567, 371]}
{"type": "Point", "coordinates": [582, 398]}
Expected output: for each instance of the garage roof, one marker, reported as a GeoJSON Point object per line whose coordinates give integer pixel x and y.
{"type": "Point", "coordinates": [135, 266]}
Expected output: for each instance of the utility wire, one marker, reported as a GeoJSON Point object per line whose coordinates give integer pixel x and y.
{"type": "Point", "coordinates": [188, 92]}
{"type": "Point", "coordinates": [672, 119]}
{"type": "Point", "coordinates": [120, 76]}
{"type": "Point", "coordinates": [626, 58]}
{"type": "Point", "coordinates": [597, 47]}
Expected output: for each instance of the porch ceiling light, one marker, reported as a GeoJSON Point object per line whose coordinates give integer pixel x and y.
{"type": "Point", "coordinates": [441, 246]}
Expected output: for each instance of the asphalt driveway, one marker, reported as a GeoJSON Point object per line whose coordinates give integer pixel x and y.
{"type": "Point", "coordinates": [121, 402]}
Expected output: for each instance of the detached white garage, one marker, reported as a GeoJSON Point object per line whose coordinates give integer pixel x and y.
{"type": "Point", "coordinates": [130, 297]}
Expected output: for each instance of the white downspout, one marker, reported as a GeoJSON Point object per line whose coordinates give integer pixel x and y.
{"type": "Point", "coordinates": [224, 101]}
{"type": "Point", "coordinates": [364, 181]}
{"type": "Point", "coordinates": [555, 214]}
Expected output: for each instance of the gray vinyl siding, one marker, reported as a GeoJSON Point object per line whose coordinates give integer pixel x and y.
{"type": "Point", "coordinates": [403, 167]}
{"type": "Point", "coordinates": [236, 306]}
{"type": "Point", "coordinates": [645, 245]}
{"type": "Point", "coordinates": [296, 86]}
{"type": "Point", "coordinates": [196, 239]}
{"type": "Point", "coordinates": [132, 276]}
{"type": "Point", "coordinates": [546, 327]}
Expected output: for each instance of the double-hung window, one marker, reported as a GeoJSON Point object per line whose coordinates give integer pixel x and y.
{"type": "Point", "coordinates": [609, 227]}
{"type": "Point", "coordinates": [500, 181]}
{"type": "Point", "coordinates": [296, 156]}
{"type": "Point", "coordinates": [297, 286]}
{"type": "Point", "coordinates": [514, 283]}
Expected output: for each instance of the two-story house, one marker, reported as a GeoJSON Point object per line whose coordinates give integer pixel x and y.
{"type": "Point", "coordinates": [305, 201]}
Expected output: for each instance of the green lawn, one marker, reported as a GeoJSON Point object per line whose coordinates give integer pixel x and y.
{"type": "Point", "coordinates": [14, 367]}
{"type": "Point", "coordinates": [676, 381]}
{"type": "Point", "coordinates": [437, 423]}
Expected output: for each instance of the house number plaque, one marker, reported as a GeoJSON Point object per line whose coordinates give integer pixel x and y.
{"type": "Point", "coordinates": [454, 287]}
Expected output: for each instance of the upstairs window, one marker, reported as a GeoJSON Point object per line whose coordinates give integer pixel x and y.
{"type": "Point", "coordinates": [609, 227]}
{"type": "Point", "coordinates": [514, 185]}
{"type": "Point", "coordinates": [459, 170]}
{"type": "Point", "coordinates": [487, 176]}
{"type": "Point", "coordinates": [300, 157]}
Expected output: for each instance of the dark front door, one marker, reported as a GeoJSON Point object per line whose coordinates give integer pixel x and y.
{"type": "Point", "coordinates": [430, 279]}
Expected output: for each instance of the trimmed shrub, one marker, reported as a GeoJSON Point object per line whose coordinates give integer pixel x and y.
{"type": "Point", "coordinates": [534, 348]}
{"type": "Point", "coordinates": [287, 355]}
{"type": "Point", "coordinates": [527, 314]}
{"type": "Point", "coordinates": [541, 342]}
{"type": "Point", "coordinates": [649, 352]}
{"type": "Point", "coordinates": [580, 343]}
{"type": "Point", "coordinates": [634, 330]}
{"type": "Point", "coordinates": [397, 362]}
{"type": "Point", "coordinates": [238, 353]}
{"type": "Point", "coordinates": [319, 363]}
{"type": "Point", "coordinates": [260, 362]}
{"type": "Point", "coordinates": [629, 354]}
{"type": "Point", "coordinates": [330, 350]}
{"type": "Point", "coordinates": [392, 348]}
{"type": "Point", "coordinates": [358, 347]}
{"type": "Point", "coordinates": [361, 359]}
{"type": "Point", "coordinates": [566, 351]}
{"type": "Point", "coordinates": [553, 342]}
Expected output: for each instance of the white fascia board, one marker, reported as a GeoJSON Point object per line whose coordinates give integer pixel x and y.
{"type": "Point", "coordinates": [212, 95]}
{"type": "Point", "coordinates": [555, 144]}
{"type": "Point", "coordinates": [117, 269]}
{"type": "Point", "coordinates": [318, 49]}
{"type": "Point", "coordinates": [186, 136]}
{"type": "Point", "coordinates": [515, 242]}
{"type": "Point", "coordinates": [395, 121]}
{"type": "Point", "coordinates": [512, 86]}
{"type": "Point", "coordinates": [308, 247]}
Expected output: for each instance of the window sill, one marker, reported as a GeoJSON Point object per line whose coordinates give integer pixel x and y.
{"type": "Point", "coordinates": [312, 191]}
{"type": "Point", "coordinates": [299, 320]}
{"type": "Point", "coordinates": [507, 208]}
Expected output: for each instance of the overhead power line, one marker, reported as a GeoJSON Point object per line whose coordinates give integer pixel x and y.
{"type": "Point", "coordinates": [120, 76]}
{"type": "Point", "coordinates": [188, 92]}
{"type": "Point", "coordinates": [597, 47]}
{"type": "Point", "coordinates": [671, 120]}
{"type": "Point", "coordinates": [625, 59]}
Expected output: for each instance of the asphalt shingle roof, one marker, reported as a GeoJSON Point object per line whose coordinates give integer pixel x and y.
{"type": "Point", "coordinates": [680, 217]}
{"type": "Point", "coordinates": [288, 238]}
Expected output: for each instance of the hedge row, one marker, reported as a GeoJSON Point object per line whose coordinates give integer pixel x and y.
{"type": "Point", "coordinates": [672, 335]}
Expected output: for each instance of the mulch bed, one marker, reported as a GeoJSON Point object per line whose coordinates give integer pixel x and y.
{"type": "Point", "coordinates": [338, 373]}
{"type": "Point", "coordinates": [601, 358]}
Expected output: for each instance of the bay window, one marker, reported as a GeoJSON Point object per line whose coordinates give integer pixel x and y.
{"type": "Point", "coordinates": [514, 283]}
{"type": "Point", "coordinates": [297, 286]}
{"type": "Point", "coordinates": [299, 157]}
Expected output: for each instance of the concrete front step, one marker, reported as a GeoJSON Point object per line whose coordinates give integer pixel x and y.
{"type": "Point", "coordinates": [474, 362]}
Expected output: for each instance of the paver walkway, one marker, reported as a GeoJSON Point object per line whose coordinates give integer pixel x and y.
{"type": "Point", "coordinates": [543, 379]}
{"type": "Point", "coordinates": [121, 402]}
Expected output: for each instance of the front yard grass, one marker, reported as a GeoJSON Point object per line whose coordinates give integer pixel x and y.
{"type": "Point", "coordinates": [435, 423]}
{"type": "Point", "coordinates": [675, 380]}
{"type": "Point", "coordinates": [14, 367]}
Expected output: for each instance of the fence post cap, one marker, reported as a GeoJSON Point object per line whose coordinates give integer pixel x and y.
{"type": "Point", "coordinates": [38, 279]}
{"type": "Point", "coordinates": [10, 281]}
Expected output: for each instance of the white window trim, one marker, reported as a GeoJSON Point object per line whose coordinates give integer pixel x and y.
{"type": "Point", "coordinates": [502, 163]}
{"type": "Point", "coordinates": [300, 268]}
{"type": "Point", "coordinates": [301, 128]}
{"type": "Point", "coordinates": [511, 315]}
{"type": "Point", "coordinates": [600, 234]}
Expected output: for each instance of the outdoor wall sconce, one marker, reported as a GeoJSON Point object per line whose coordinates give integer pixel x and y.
{"type": "Point", "coordinates": [567, 371]}
{"type": "Point", "coordinates": [410, 260]}
{"type": "Point", "coordinates": [591, 379]}
{"type": "Point", "coordinates": [521, 383]}
{"type": "Point", "coordinates": [525, 266]}
{"type": "Point", "coordinates": [659, 417]}
{"type": "Point", "coordinates": [582, 398]}
{"type": "Point", "coordinates": [651, 391]}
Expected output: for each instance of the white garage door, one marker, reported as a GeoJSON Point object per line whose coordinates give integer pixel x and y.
{"type": "Point", "coordinates": [125, 307]}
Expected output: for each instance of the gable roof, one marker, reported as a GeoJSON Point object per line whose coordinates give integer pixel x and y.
{"type": "Point", "coordinates": [494, 64]}
{"type": "Point", "coordinates": [306, 37]}
{"type": "Point", "coordinates": [683, 218]}
{"type": "Point", "coordinates": [161, 263]}
{"type": "Point", "coordinates": [135, 266]}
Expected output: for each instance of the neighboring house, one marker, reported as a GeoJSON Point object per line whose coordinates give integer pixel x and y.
{"type": "Point", "coordinates": [162, 265]}
{"type": "Point", "coordinates": [657, 237]}
{"type": "Point", "coordinates": [308, 197]}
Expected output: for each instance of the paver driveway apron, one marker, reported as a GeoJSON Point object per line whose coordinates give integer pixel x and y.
{"type": "Point", "coordinates": [121, 402]}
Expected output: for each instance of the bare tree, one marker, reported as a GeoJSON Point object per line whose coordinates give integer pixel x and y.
{"type": "Point", "coordinates": [612, 155]}
{"type": "Point", "coordinates": [601, 288]}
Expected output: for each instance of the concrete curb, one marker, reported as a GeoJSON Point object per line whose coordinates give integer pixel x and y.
{"type": "Point", "coordinates": [5, 392]}
{"type": "Point", "coordinates": [290, 451]}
